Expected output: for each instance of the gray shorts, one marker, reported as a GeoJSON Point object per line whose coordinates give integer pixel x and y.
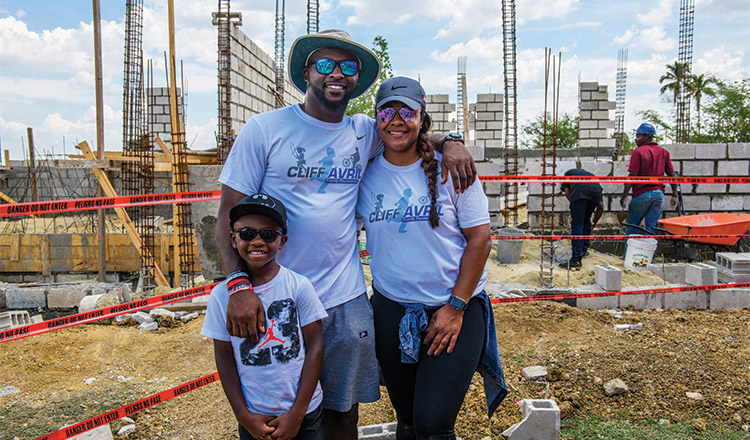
{"type": "Point", "coordinates": [350, 369]}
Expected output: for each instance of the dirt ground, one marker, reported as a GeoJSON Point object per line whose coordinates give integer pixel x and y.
{"type": "Point", "coordinates": [676, 352]}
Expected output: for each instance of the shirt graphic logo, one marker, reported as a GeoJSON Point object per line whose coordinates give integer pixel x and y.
{"type": "Point", "coordinates": [349, 173]}
{"type": "Point", "coordinates": [404, 212]}
{"type": "Point", "coordinates": [299, 154]}
{"type": "Point", "coordinates": [281, 340]}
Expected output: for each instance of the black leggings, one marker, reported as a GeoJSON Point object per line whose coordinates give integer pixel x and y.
{"type": "Point", "coordinates": [427, 395]}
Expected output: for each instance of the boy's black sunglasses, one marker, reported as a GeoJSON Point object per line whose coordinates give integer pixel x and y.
{"type": "Point", "coordinates": [269, 235]}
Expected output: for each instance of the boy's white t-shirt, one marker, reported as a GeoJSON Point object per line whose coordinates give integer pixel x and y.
{"type": "Point", "coordinates": [411, 262]}
{"type": "Point", "coordinates": [270, 370]}
{"type": "Point", "coordinates": [314, 168]}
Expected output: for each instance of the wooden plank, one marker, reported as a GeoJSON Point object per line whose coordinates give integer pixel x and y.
{"type": "Point", "coordinates": [44, 255]}
{"type": "Point", "coordinates": [84, 164]}
{"type": "Point", "coordinates": [124, 218]}
{"type": "Point", "coordinates": [164, 148]}
{"type": "Point", "coordinates": [7, 157]}
{"type": "Point", "coordinates": [15, 241]}
{"type": "Point", "coordinates": [10, 200]}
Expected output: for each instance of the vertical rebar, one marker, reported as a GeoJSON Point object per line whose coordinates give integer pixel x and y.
{"type": "Point", "coordinates": [279, 49]}
{"type": "Point", "coordinates": [224, 139]}
{"type": "Point", "coordinates": [622, 77]}
{"type": "Point", "coordinates": [511, 111]}
{"type": "Point", "coordinates": [685, 56]}
{"type": "Point", "coordinates": [312, 16]}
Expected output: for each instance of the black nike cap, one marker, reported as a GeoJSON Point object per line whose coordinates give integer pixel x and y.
{"type": "Point", "coordinates": [262, 204]}
{"type": "Point", "coordinates": [401, 89]}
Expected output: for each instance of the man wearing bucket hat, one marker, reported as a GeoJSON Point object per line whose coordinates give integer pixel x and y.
{"type": "Point", "coordinates": [312, 157]}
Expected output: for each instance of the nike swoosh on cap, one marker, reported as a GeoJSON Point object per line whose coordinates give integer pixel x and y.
{"type": "Point", "coordinates": [394, 87]}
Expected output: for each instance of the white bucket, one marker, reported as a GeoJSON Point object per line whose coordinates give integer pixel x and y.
{"type": "Point", "coordinates": [640, 252]}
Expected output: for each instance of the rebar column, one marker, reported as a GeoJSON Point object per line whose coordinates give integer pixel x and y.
{"type": "Point", "coordinates": [622, 77]}
{"type": "Point", "coordinates": [685, 56]}
{"type": "Point", "coordinates": [511, 111]}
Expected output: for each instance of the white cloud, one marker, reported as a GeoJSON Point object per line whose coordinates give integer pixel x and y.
{"type": "Point", "coordinates": [722, 64]}
{"type": "Point", "coordinates": [625, 38]}
{"type": "Point", "coordinates": [544, 9]}
{"type": "Point", "coordinates": [660, 13]}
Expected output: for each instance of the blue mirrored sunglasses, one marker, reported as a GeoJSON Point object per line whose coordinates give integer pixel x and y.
{"type": "Point", "coordinates": [269, 235]}
{"type": "Point", "coordinates": [385, 114]}
{"type": "Point", "coordinates": [324, 66]}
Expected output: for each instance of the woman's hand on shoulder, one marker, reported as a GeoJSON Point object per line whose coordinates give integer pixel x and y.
{"type": "Point", "coordinates": [443, 330]}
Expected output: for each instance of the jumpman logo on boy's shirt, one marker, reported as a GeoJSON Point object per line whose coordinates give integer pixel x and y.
{"type": "Point", "coordinates": [270, 337]}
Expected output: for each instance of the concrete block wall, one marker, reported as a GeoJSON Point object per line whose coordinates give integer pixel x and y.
{"type": "Point", "coordinates": [440, 109]}
{"type": "Point", "coordinates": [594, 106]}
{"type": "Point", "coordinates": [693, 160]}
{"type": "Point", "coordinates": [252, 78]}
{"type": "Point", "coordinates": [160, 114]}
{"type": "Point", "coordinates": [489, 120]}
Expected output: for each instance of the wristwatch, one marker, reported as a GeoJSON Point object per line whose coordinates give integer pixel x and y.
{"type": "Point", "coordinates": [452, 137]}
{"type": "Point", "coordinates": [457, 302]}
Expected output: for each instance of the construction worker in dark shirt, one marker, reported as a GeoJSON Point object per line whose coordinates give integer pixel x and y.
{"type": "Point", "coordinates": [585, 199]}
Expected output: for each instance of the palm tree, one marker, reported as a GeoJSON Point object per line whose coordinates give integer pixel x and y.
{"type": "Point", "coordinates": [676, 79]}
{"type": "Point", "coordinates": [700, 85]}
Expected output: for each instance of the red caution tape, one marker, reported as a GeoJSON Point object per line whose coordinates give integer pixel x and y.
{"type": "Point", "coordinates": [563, 296]}
{"type": "Point", "coordinates": [60, 206]}
{"type": "Point", "coordinates": [616, 237]}
{"type": "Point", "coordinates": [617, 179]}
{"type": "Point", "coordinates": [130, 409]}
{"type": "Point", "coordinates": [107, 312]}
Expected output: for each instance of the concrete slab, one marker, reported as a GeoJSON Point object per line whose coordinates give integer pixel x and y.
{"type": "Point", "coordinates": [25, 298]}
{"type": "Point", "coordinates": [598, 303]}
{"type": "Point", "coordinates": [65, 297]}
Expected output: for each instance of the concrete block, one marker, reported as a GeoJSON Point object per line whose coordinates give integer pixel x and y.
{"type": "Point", "coordinates": [683, 300]}
{"type": "Point", "coordinates": [65, 297]}
{"type": "Point", "coordinates": [733, 261]}
{"type": "Point", "coordinates": [646, 301]}
{"type": "Point", "coordinates": [698, 168]}
{"type": "Point", "coordinates": [477, 152]}
{"type": "Point", "coordinates": [588, 105]}
{"type": "Point", "coordinates": [708, 188]}
{"type": "Point", "coordinates": [534, 203]}
{"type": "Point", "coordinates": [697, 203]}
{"type": "Point", "coordinates": [489, 97]}
{"type": "Point", "coordinates": [383, 431]}
{"type": "Point", "coordinates": [673, 273]}
{"type": "Point", "coordinates": [711, 151]}
{"type": "Point", "coordinates": [2, 298]}
{"type": "Point", "coordinates": [588, 143]}
{"type": "Point", "coordinates": [726, 203]}
{"type": "Point", "coordinates": [600, 114]}
{"type": "Point", "coordinates": [598, 303]}
{"type": "Point", "coordinates": [733, 168]}
{"type": "Point", "coordinates": [729, 299]}
{"type": "Point", "coordinates": [100, 433]}
{"type": "Point", "coordinates": [607, 143]}
{"type": "Point", "coordinates": [494, 188]}
{"type": "Point", "coordinates": [589, 86]}
{"type": "Point", "coordinates": [739, 189]}
{"type": "Point", "coordinates": [608, 278]}
{"type": "Point", "coordinates": [738, 151]}
{"type": "Point", "coordinates": [25, 298]}
{"type": "Point", "coordinates": [588, 125]}
{"type": "Point", "coordinates": [607, 105]}
{"type": "Point", "coordinates": [681, 151]}
{"type": "Point", "coordinates": [607, 124]}
{"type": "Point", "coordinates": [14, 319]}
{"type": "Point", "coordinates": [541, 420]}
{"type": "Point", "coordinates": [487, 169]}
{"type": "Point", "coordinates": [700, 274]}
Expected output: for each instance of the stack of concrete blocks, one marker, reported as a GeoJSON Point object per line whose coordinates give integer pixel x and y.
{"type": "Point", "coordinates": [159, 112]}
{"type": "Point", "coordinates": [673, 273]}
{"type": "Point", "coordinates": [733, 267]}
{"type": "Point", "coordinates": [489, 120]}
{"type": "Point", "coordinates": [59, 297]}
{"type": "Point", "coordinates": [698, 160]}
{"type": "Point", "coordinates": [253, 80]}
{"type": "Point", "coordinates": [541, 420]}
{"type": "Point", "coordinates": [440, 109]}
{"type": "Point", "coordinates": [594, 106]}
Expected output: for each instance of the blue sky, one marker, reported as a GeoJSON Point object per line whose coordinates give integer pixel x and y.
{"type": "Point", "coordinates": [47, 69]}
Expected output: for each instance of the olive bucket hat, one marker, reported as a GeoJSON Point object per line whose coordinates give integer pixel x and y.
{"type": "Point", "coordinates": [305, 45]}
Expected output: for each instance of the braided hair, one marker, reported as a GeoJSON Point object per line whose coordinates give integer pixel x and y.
{"type": "Point", "coordinates": [429, 165]}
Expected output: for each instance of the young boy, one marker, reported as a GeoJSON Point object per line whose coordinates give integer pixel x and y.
{"type": "Point", "coordinates": [272, 385]}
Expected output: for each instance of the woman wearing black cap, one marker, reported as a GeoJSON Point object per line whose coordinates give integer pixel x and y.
{"type": "Point", "coordinates": [433, 322]}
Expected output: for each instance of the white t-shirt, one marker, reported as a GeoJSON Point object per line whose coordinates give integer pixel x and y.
{"type": "Point", "coordinates": [314, 168]}
{"type": "Point", "coordinates": [411, 262]}
{"type": "Point", "coordinates": [270, 370]}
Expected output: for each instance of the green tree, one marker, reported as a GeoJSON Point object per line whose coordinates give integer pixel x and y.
{"type": "Point", "coordinates": [728, 113]}
{"type": "Point", "coordinates": [366, 103]}
{"type": "Point", "coordinates": [567, 132]}
{"type": "Point", "coordinates": [675, 80]}
{"type": "Point", "coordinates": [701, 85]}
